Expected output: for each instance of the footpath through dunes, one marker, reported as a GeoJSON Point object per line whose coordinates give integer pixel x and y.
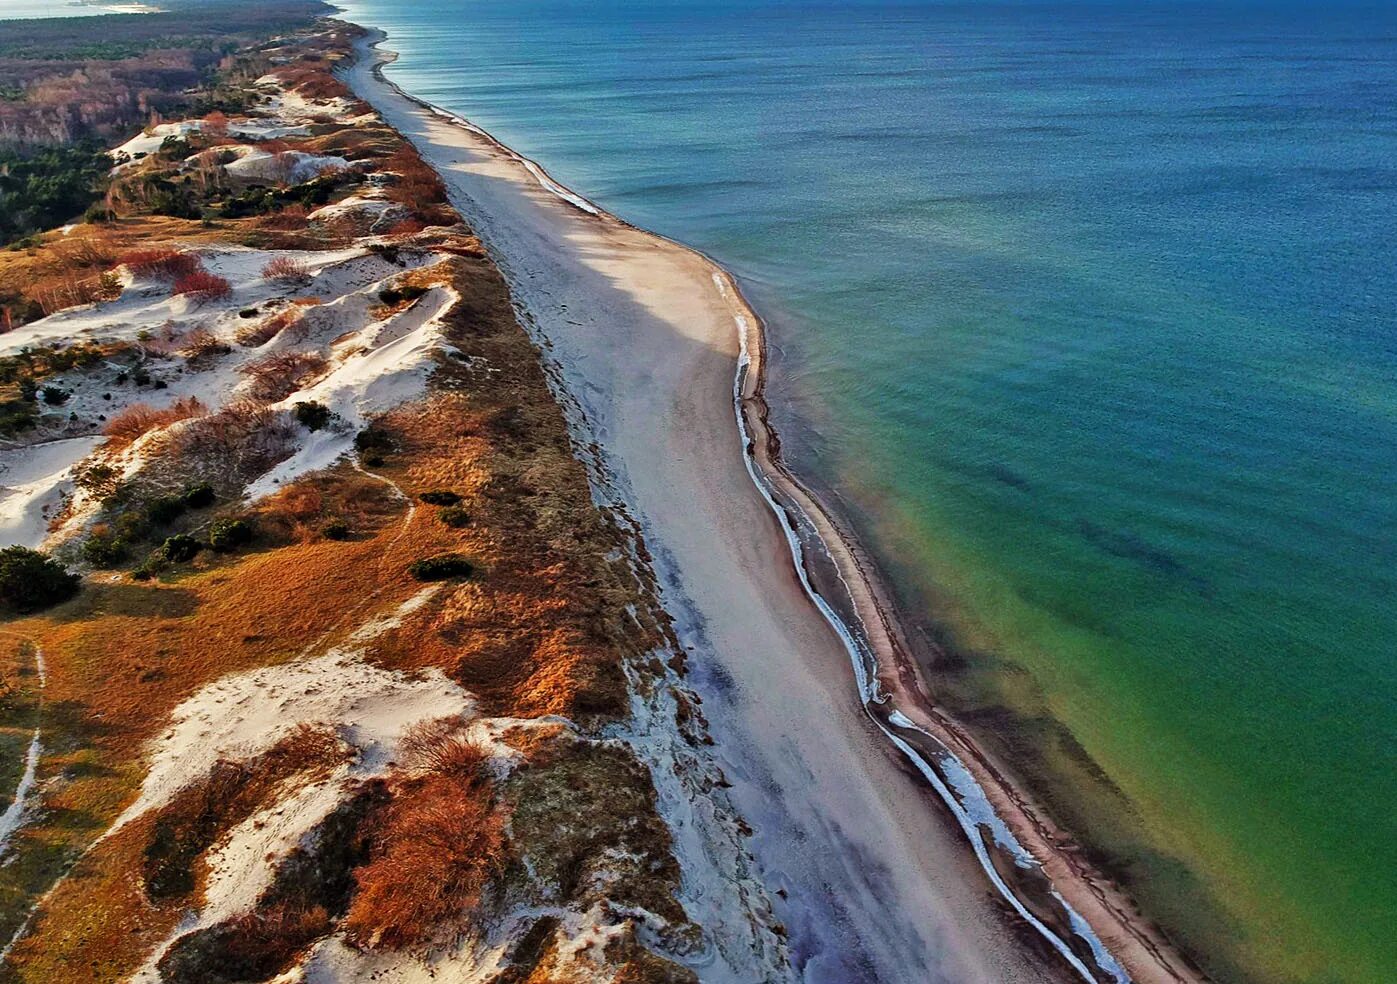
{"type": "Point", "coordinates": [874, 882]}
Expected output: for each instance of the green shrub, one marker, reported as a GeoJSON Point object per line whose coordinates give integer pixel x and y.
{"type": "Point", "coordinates": [440, 497]}
{"type": "Point", "coordinates": [104, 550]}
{"type": "Point", "coordinates": [455, 517]}
{"type": "Point", "coordinates": [30, 580]}
{"type": "Point", "coordinates": [373, 438]}
{"type": "Point", "coordinates": [199, 496]}
{"type": "Point", "coordinates": [396, 295]}
{"type": "Point", "coordinates": [180, 548]}
{"type": "Point", "coordinates": [165, 510]}
{"type": "Point", "coordinates": [336, 529]}
{"type": "Point", "coordinates": [228, 535]}
{"type": "Point", "coordinates": [54, 396]}
{"type": "Point", "coordinates": [442, 567]}
{"type": "Point", "coordinates": [101, 481]}
{"type": "Point", "coordinates": [311, 415]}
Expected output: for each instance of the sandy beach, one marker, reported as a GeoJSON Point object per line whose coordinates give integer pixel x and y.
{"type": "Point", "coordinates": [644, 338]}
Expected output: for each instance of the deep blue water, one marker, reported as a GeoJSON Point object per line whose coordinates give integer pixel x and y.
{"type": "Point", "coordinates": [1087, 314]}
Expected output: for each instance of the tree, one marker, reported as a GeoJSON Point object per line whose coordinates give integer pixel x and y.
{"type": "Point", "coordinates": [30, 580]}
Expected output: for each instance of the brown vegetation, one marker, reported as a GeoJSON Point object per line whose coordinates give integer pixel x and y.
{"type": "Point", "coordinates": [171, 264]}
{"type": "Point", "coordinates": [202, 287]}
{"type": "Point", "coordinates": [264, 331]}
{"type": "Point", "coordinates": [277, 376]}
{"type": "Point", "coordinates": [435, 850]}
{"type": "Point", "coordinates": [286, 270]}
{"type": "Point", "coordinates": [139, 419]}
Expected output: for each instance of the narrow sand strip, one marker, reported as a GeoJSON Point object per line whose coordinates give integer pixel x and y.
{"type": "Point", "coordinates": [642, 332]}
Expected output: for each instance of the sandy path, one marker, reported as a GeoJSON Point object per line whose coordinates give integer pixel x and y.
{"type": "Point", "coordinates": [879, 885]}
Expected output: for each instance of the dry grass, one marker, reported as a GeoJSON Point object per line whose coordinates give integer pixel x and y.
{"type": "Point", "coordinates": [199, 343]}
{"type": "Point", "coordinates": [171, 264]}
{"type": "Point", "coordinates": [286, 270]}
{"type": "Point", "coordinates": [292, 218]}
{"type": "Point", "coordinates": [275, 377]}
{"type": "Point", "coordinates": [202, 287]}
{"type": "Point", "coordinates": [435, 851]}
{"type": "Point", "coordinates": [256, 335]}
{"type": "Point", "coordinates": [140, 418]}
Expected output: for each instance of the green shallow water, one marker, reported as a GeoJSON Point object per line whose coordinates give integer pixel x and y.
{"type": "Point", "coordinates": [1085, 313]}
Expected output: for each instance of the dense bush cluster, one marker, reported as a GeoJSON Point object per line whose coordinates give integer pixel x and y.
{"type": "Point", "coordinates": [30, 580]}
{"type": "Point", "coordinates": [46, 189]}
{"type": "Point", "coordinates": [442, 567]}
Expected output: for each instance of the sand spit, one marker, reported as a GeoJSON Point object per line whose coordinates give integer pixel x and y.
{"type": "Point", "coordinates": [644, 337]}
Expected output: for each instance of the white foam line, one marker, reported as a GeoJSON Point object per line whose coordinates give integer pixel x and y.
{"type": "Point", "coordinates": [863, 662]}
{"type": "Point", "coordinates": [544, 179]}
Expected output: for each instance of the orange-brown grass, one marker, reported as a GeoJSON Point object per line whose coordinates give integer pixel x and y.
{"type": "Point", "coordinates": [435, 850]}
{"type": "Point", "coordinates": [140, 418]}
{"type": "Point", "coordinates": [121, 656]}
{"type": "Point", "coordinates": [299, 512]}
{"type": "Point", "coordinates": [163, 262]}
{"type": "Point", "coordinates": [150, 869]}
{"type": "Point", "coordinates": [290, 219]}
{"type": "Point", "coordinates": [544, 630]}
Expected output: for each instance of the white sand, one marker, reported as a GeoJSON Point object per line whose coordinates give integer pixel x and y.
{"type": "Point", "coordinates": [879, 884]}
{"type": "Point", "coordinates": [32, 483]}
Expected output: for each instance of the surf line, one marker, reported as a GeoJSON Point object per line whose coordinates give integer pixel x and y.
{"type": "Point", "coordinates": [864, 663]}
{"type": "Point", "coordinates": [865, 669]}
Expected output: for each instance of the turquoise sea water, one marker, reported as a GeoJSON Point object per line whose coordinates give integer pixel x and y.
{"type": "Point", "coordinates": [1086, 313]}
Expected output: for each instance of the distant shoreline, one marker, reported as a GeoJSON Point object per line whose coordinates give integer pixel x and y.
{"type": "Point", "coordinates": [839, 580]}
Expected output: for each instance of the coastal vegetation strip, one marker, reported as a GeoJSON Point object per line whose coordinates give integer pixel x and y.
{"type": "Point", "coordinates": [295, 390]}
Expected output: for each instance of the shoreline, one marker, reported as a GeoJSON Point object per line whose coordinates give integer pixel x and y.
{"type": "Point", "coordinates": [1079, 914]}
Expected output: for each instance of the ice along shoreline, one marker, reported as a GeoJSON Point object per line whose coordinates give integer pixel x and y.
{"type": "Point", "coordinates": [1078, 914]}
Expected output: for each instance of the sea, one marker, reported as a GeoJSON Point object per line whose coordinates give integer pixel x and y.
{"type": "Point", "coordinates": [1085, 317]}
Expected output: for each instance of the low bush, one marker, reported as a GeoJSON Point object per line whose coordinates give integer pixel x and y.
{"type": "Point", "coordinates": [336, 529]}
{"type": "Point", "coordinates": [165, 510]}
{"type": "Point", "coordinates": [200, 343]}
{"type": "Point", "coordinates": [111, 543]}
{"type": "Point", "coordinates": [203, 287]}
{"type": "Point", "coordinates": [30, 580]}
{"type": "Point", "coordinates": [99, 480]}
{"type": "Point", "coordinates": [170, 264]}
{"type": "Point", "coordinates": [139, 418]}
{"type": "Point", "coordinates": [228, 535]}
{"type": "Point", "coordinates": [54, 396]}
{"type": "Point", "coordinates": [312, 416]}
{"type": "Point", "coordinates": [455, 517]}
{"type": "Point", "coordinates": [180, 548]}
{"type": "Point", "coordinates": [393, 296]}
{"type": "Point", "coordinates": [373, 439]}
{"type": "Point", "coordinates": [200, 496]}
{"type": "Point", "coordinates": [442, 567]}
{"type": "Point", "coordinates": [439, 497]}
{"type": "Point", "coordinates": [286, 270]}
